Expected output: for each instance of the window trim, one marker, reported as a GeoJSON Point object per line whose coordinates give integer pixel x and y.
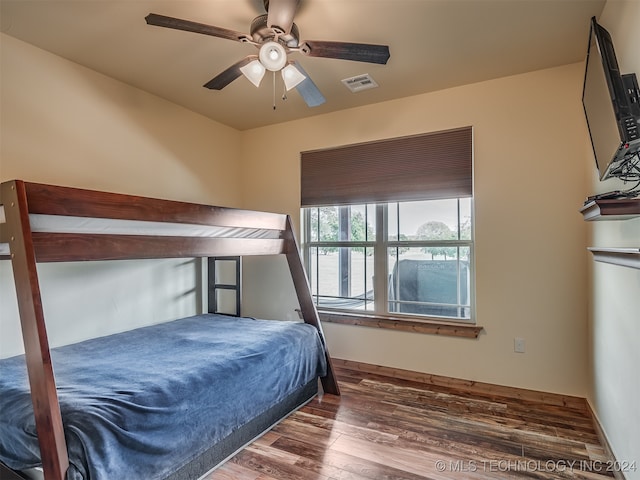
{"type": "Point", "coordinates": [411, 324]}
{"type": "Point", "coordinates": [423, 323]}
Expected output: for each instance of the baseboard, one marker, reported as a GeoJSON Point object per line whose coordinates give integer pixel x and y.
{"type": "Point", "coordinates": [604, 441]}
{"type": "Point", "coordinates": [470, 386]}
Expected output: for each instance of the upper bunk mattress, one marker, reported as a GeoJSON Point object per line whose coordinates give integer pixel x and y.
{"type": "Point", "coordinates": [108, 226]}
{"type": "Point", "coordinates": [144, 403]}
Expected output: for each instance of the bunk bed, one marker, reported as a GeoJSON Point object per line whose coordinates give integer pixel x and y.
{"type": "Point", "coordinates": [108, 414]}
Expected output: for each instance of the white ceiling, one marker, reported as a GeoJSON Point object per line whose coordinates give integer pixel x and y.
{"type": "Point", "coordinates": [434, 44]}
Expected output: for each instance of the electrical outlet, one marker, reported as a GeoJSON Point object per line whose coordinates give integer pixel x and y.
{"type": "Point", "coordinates": [518, 345]}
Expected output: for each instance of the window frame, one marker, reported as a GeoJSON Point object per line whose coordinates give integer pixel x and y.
{"type": "Point", "coordinates": [381, 246]}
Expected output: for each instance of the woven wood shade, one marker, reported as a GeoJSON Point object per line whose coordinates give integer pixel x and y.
{"type": "Point", "coordinates": [419, 167]}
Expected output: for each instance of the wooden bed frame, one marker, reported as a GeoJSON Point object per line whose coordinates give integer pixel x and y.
{"type": "Point", "coordinates": [21, 198]}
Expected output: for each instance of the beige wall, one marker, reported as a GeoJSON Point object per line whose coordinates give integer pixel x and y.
{"type": "Point", "coordinates": [614, 342]}
{"type": "Point", "coordinates": [531, 274]}
{"type": "Point", "coordinates": [67, 125]}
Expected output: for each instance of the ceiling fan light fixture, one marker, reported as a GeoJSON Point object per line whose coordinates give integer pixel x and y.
{"type": "Point", "coordinates": [276, 34]}
{"type": "Point", "coordinates": [254, 71]}
{"type": "Point", "coordinates": [273, 56]}
{"type": "Point", "coordinates": [292, 76]}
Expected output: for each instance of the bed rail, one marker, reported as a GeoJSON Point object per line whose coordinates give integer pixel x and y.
{"type": "Point", "coordinates": [49, 200]}
{"type": "Point", "coordinates": [247, 233]}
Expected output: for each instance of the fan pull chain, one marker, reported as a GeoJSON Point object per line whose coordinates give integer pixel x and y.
{"type": "Point", "coordinates": [284, 91]}
{"type": "Point", "coordinates": [274, 90]}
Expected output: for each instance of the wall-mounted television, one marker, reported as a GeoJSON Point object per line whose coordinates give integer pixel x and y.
{"type": "Point", "coordinates": [612, 107]}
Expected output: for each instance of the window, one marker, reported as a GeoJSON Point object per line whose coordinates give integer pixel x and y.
{"type": "Point", "coordinates": [400, 258]}
{"type": "Point", "coordinates": [387, 226]}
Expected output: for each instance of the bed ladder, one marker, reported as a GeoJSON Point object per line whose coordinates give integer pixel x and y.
{"type": "Point", "coordinates": [225, 280]}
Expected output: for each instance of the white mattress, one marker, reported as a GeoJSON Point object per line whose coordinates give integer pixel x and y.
{"type": "Point", "coordinates": [107, 226]}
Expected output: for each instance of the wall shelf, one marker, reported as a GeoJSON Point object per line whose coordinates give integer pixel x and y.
{"type": "Point", "coordinates": [611, 209]}
{"type": "Point", "coordinates": [626, 257]}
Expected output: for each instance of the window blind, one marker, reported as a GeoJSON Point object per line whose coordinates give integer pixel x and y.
{"type": "Point", "coordinates": [419, 167]}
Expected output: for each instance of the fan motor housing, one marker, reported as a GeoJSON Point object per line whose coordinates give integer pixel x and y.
{"type": "Point", "coordinates": [261, 33]}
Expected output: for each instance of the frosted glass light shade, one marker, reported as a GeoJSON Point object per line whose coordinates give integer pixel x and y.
{"type": "Point", "coordinates": [291, 76]}
{"type": "Point", "coordinates": [254, 71]}
{"type": "Point", "coordinates": [273, 56]}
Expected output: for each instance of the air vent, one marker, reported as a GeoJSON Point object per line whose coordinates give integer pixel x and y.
{"type": "Point", "coordinates": [360, 82]}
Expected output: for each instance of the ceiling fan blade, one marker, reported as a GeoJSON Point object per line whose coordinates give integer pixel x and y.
{"type": "Point", "coordinates": [281, 13]}
{"type": "Point", "coordinates": [229, 75]}
{"type": "Point", "coordinates": [308, 90]}
{"type": "Point", "coordinates": [358, 52]}
{"type": "Point", "coordinates": [189, 26]}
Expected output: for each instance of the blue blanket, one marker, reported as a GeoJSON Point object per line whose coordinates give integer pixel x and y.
{"type": "Point", "coordinates": [143, 403]}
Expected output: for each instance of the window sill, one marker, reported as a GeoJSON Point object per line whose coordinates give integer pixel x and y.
{"type": "Point", "coordinates": [393, 323]}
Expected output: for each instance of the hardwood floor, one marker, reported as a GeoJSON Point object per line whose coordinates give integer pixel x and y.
{"type": "Point", "coordinates": [385, 428]}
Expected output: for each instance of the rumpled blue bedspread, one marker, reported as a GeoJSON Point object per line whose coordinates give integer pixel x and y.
{"type": "Point", "coordinates": [143, 403]}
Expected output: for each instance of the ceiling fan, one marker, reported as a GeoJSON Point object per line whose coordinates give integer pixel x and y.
{"type": "Point", "coordinates": [275, 35]}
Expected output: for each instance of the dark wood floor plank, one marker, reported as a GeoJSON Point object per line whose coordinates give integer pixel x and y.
{"type": "Point", "coordinates": [385, 428]}
{"type": "Point", "coordinates": [342, 427]}
{"type": "Point", "coordinates": [476, 389]}
{"type": "Point", "coordinates": [274, 467]}
{"type": "Point", "coordinates": [450, 402]}
{"type": "Point", "coordinates": [498, 415]}
{"type": "Point", "coordinates": [463, 427]}
{"type": "Point", "coordinates": [351, 466]}
{"type": "Point", "coordinates": [232, 471]}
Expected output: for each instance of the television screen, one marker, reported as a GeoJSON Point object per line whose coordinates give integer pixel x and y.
{"type": "Point", "coordinates": [598, 107]}
{"type": "Point", "coordinates": [608, 106]}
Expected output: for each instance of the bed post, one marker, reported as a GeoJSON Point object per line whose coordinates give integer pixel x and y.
{"type": "Point", "coordinates": [53, 448]}
{"type": "Point", "coordinates": [307, 307]}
